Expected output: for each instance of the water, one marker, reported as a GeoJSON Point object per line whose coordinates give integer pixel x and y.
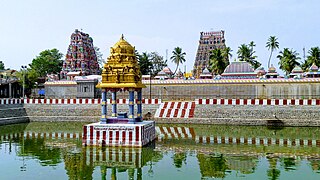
{"type": "Point", "coordinates": [44, 150]}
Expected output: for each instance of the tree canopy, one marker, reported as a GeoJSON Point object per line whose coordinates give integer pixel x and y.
{"type": "Point", "coordinates": [178, 57]}
{"type": "Point", "coordinates": [272, 44]}
{"type": "Point", "coordinates": [219, 60]}
{"type": "Point", "coordinates": [288, 59]}
{"type": "Point", "coordinates": [312, 58]}
{"type": "Point", "coordinates": [246, 53]}
{"type": "Point", "coordinates": [2, 65]}
{"type": "Point", "coordinates": [48, 61]}
{"type": "Point", "coordinates": [150, 63]}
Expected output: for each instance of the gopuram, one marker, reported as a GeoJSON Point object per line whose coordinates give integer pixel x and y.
{"type": "Point", "coordinates": [121, 73]}
{"type": "Point", "coordinates": [81, 57]}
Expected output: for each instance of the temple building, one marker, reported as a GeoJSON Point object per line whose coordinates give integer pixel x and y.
{"type": "Point", "coordinates": [239, 70]}
{"type": "Point", "coordinates": [206, 74]}
{"type": "Point", "coordinates": [81, 57]}
{"type": "Point", "coordinates": [208, 42]}
{"type": "Point", "coordinates": [272, 73]}
{"type": "Point", "coordinates": [296, 72]}
{"type": "Point", "coordinates": [313, 71]}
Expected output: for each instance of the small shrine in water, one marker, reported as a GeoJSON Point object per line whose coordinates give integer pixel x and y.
{"type": "Point", "coordinates": [121, 73]}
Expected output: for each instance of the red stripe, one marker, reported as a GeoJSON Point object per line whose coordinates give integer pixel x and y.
{"type": "Point", "coordinates": [33, 101]}
{"type": "Point", "coordinates": [117, 135]}
{"type": "Point", "coordinates": [172, 104]}
{"type": "Point", "coordinates": [200, 139]}
{"type": "Point", "coordinates": [179, 105]}
{"type": "Point", "coordinates": [191, 113]}
{"type": "Point", "coordinates": [161, 113]}
{"type": "Point", "coordinates": [177, 132]}
{"type": "Point", "coordinates": [97, 135]}
{"type": "Point", "coordinates": [68, 101]}
{"type": "Point", "coordinates": [62, 101]}
{"type": "Point", "coordinates": [165, 105]}
{"type": "Point", "coordinates": [318, 102]}
{"type": "Point", "coordinates": [300, 101]}
{"type": "Point", "coordinates": [137, 133]}
{"type": "Point", "coordinates": [237, 101]}
{"type": "Point", "coordinates": [214, 101]}
{"type": "Point", "coordinates": [200, 101]}
{"type": "Point", "coordinates": [276, 101]}
{"type": "Point", "coordinates": [91, 132]}
{"type": "Point", "coordinates": [169, 112]}
{"type": "Point", "coordinates": [184, 131]}
{"type": "Point", "coordinates": [123, 137]}
{"type": "Point", "coordinates": [268, 101]}
{"type": "Point", "coordinates": [130, 137]}
{"type": "Point", "coordinates": [80, 101]}
{"type": "Point", "coordinates": [221, 101]}
{"type": "Point", "coordinates": [143, 101]}
{"type": "Point", "coordinates": [170, 132]}
{"type": "Point", "coordinates": [156, 101]}
{"type": "Point", "coordinates": [84, 132]}
{"type": "Point", "coordinates": [183, 112]}
{"type": "Point", "coordinates": [185, 105]}
{"type": "Point", "coordinates": [293, 102]}
{"type": "Point", "coordinates": [110, 137]}
{"type": "Point", "coordinates": [309, 101]}
{"type": "Point", "coordinates": [285, 102]}
{"type": "Point", "coordinates": [207, 101]}
{"type": "Point", "coordinates": [260, 101]}
{"type": "Point", "coordinates": [175, 112]}
{"type": "Point", "coordinates": [229, 101]}
{"type": "Point", "coordinates": [245, 102]}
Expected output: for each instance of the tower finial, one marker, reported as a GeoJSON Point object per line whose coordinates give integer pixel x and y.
{"type": "Point", "coordinates": [122, 37]}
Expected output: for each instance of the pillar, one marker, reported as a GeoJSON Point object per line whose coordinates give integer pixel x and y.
{"type": "Point", "coordinates": [139, 104]}
{"type": "Point", "coordinates": [103, 119]}
{"type": "Point", "coordinates": [114, 103]}
{"type": "Point", "coordinates": [131, 106]}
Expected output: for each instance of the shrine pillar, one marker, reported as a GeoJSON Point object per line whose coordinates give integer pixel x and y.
{"type": "Point", "coordinates": [114, 103]}
{"type": "Point", "coordinates": [131, 106]}
{"type": "Point", "coordinates": [139, 105]}
{"type": "Point", "coordinates": [103, 119]}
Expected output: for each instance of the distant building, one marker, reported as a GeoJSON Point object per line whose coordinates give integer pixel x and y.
{"type": "Point", "coordinates": [272, 73]}
{"type": "Point", "coordinates": [239, 70]}
{"type": "Point", "coordinates": [81, 57]}
{"type": "Point", "coordinates": [208, 42]}
{"type": "Point", "coordinates": [313, 71]}
{"type": "Point", "coordinates": [296, 72]}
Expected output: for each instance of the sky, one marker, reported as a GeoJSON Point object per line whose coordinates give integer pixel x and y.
{"type": "Point", "coordinates": [28, 27]}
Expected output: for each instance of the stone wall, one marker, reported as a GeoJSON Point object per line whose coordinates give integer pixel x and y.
{"type": "Point", "coordinates": [61, 91]}
{"type": "Point", "coordinates": [12, 114]}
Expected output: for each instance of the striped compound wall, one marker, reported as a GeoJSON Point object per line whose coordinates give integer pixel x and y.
{"type": "Point", "coordinates": [188, 133]}
{"type": "Point", "coordinates": [72, 101]}
{"type": "Point", "coordinates": [130, 135]}
{"type": "Point", "coordinates": [176, 110]}
{"type": "Point", "coordinates": [273, 102]}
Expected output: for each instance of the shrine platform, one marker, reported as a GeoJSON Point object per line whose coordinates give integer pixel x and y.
{"type": "Point", "coordinates": [115, 134]}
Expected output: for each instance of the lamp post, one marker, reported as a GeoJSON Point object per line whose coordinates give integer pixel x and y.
{"type": "Point", "coordinates": [24, 68]}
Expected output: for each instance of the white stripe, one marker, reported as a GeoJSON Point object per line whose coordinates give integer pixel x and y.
{"type": "Point", "coordinates": [172, 113]}
{"type": "Point", "coordinates": [313, 102]}
{"type": "Point", "coordinates": [265, 102]}
{"type": "Point", "coordinates": [218, 101]}
{"type": "Point", "coordinates": [165, 112]}
{"type": "Point", "coordinates": [179, 113]}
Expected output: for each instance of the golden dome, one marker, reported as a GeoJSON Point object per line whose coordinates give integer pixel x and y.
{"type": "Point", "coordinates": [122, 47]}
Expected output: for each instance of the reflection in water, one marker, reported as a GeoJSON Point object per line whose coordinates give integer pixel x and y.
{"type": "Point", "coordinates": [219, 151]}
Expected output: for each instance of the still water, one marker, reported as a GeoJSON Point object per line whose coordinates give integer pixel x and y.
{"type": "Point", "coordinates": [42, 150]}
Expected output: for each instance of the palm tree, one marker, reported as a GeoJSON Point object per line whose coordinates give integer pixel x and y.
{"type": "Point", "coordinates": [288, 60]}
{"type": "Point", "coordinates": [178, 57]}
{"type": "Point", "coordinates": [272, 45]}
{"type": "Point", "coordinates": [314, 56]}
{"type": "Point", "coordinates": [251, 45]}
{"type": "Point", "coordinates": [145, 63]}
{"type": "Point", "coordinates": [217, 62]}
{"type": "Point", "coordinates": [247, 54]}
{"type": "Point", "coordinates": [226, 53]}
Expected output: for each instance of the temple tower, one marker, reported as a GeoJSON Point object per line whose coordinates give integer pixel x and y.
{"type": "Point", "coordinates": [81, 57]}
{"type": "Point", "coordinates": [208, 42]}
{"type": "Point", "coordinates": [121, 73]}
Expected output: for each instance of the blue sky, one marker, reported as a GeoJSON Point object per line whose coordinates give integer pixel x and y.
{"type": "Point", "coordinates": [28, 27]}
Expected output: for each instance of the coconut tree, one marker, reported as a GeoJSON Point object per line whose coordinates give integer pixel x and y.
{"type": "Point", "coordinates": [217, 62]}
{"type": "Point", "coordinates": [288, 59]}
{"type": "Point", "coordinates": [226, 53]}
{"type": "Point", "coordinates": [252, 45]}
{"type": "Point", "coordinates": [246, 53]}
{"type": "Point", "coordinates": [145, 63]}
{"type": "Point", "coordinates": [312, 58]}
{"type": "Point", "coordinates": [272, 44]}
{"type": "Point", "coordinates": [177, 57]}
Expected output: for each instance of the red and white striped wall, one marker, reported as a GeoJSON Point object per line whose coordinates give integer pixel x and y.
{"type": "Point", "coordinates": [11, 101]}
{"type": "Point", "coordinates": [188, 133]}
{"type": "Point", "coordinates": [130, 135]}
{"type": "Point", "coordinates": [45, 135]}
{"type": "Point", "coordinates": [112, 156]}
{"type": "Point", "coordinates": [272, 102]}
{"type": "Point", "coordinates": [72, 101]}
{"type": "Point", "coordinates": [184, 109]}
